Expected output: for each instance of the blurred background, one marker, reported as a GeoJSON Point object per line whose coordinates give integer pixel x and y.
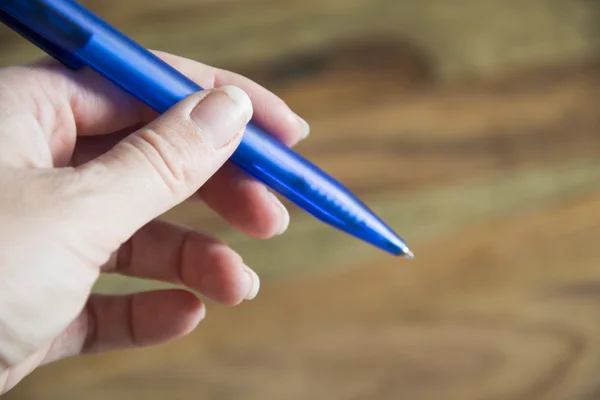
{"type": "Point", "coordinates": [472, 127]}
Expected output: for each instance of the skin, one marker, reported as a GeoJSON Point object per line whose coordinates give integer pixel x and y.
{"type": "Point", "coordinates": [86, 172]}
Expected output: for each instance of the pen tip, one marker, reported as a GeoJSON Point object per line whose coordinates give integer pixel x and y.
{"type": "Point", "coordinates": [408, 254]}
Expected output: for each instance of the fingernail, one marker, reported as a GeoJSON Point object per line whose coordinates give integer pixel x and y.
{"type": "Point", "coordinates": [285, 215]}
{"type": "Point", "coordinates": [254, 286]}
{"type": "Point", "coordinates": [222, 115]}
{"type": "Point", "coordinates": [305, 127]}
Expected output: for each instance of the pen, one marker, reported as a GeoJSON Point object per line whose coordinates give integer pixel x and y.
{"type": "Point", "coordinates": [76, 37]}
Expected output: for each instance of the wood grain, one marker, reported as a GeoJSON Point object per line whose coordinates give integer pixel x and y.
{"type": "Point", "coordinates": [462, 37]}
{"type": "Point", "coordinates": [487, 162]}
{"type": "Point", "coordinates": [504, 309]}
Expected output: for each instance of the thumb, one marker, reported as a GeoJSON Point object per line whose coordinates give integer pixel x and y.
{"type": "Point", "coordinates": [164, 163]}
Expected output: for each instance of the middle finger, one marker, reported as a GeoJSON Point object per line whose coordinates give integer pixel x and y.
{"type": "Point", "coordinates": [174, 254]}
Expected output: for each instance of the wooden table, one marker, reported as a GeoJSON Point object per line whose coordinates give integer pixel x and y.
{"type": "Point", "coordinates": [494, 182]}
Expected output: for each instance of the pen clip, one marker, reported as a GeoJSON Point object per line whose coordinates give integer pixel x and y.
{"type": "Point", "coordinates": [60, 54]}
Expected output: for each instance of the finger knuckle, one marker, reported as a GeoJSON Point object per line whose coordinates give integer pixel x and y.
{"type": "Point", "coordinates": [169, 156]}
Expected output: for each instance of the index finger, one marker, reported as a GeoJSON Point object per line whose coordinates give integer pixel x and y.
{"type": "Point", "coordinates": [270, 111]}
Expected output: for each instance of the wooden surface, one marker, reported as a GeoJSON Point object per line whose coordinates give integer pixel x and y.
{"type": "Point", "coordinates": [492, 177]}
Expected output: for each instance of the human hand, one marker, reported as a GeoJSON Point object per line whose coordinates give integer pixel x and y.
{"type": "Point", "coordinates": [85, 172]}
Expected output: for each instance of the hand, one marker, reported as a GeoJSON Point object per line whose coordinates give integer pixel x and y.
{"type": "Point", "coordinates": [85, 172]}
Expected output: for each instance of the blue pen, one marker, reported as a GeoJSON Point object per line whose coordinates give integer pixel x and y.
{"type": "Point", "coordinates": [78, 38]}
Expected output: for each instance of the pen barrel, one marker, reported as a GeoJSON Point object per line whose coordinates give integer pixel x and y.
{"type": "Point", "coordinates": [77, 37]}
